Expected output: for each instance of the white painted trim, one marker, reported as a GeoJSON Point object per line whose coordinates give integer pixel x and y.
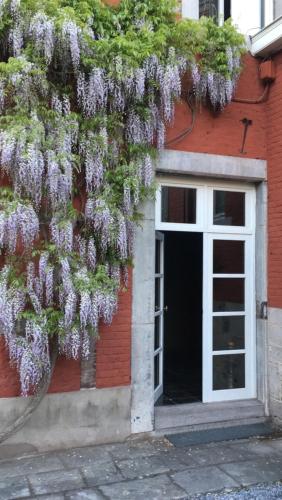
{"type": "Point", "coordinates": [268, 12]}
{"type": "Point", "coordinates": [159, 352]}
{"type": "Point", "coordinates": [190, 9]}
{"type": "Point", "coordinates": [268, 40]}
{"type": "Point", "coordinates": [204, 206]}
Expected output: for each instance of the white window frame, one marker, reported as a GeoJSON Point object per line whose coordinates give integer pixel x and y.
{"type": "Point", "coordinates": [204, 200]}
{"type": "Point", "coordinates": [190, 9]}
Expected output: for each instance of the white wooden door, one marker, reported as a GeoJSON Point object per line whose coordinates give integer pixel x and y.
{"type": "Point", "coordinates": [228, 318]}
{"type": "Point", "coordinates": [225, 213]}
{"type": "Point", "coordinates": [159, 316]}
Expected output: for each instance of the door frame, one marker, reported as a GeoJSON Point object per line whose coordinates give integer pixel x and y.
{"type": "Point", "coordinates": [159, 313]}
{"type": "Point", "coordinates": [204, 223]}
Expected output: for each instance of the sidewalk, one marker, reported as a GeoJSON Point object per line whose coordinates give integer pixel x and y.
{"type": "Point", "coordinates": [147, 470]}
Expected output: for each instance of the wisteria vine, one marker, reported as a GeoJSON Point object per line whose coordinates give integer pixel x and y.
{"type": "Point", "coordinates": [86, 94]}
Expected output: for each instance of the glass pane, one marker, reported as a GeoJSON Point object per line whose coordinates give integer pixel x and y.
{"type": "Point", "coordinates": [208, 8]}
{"type": "Point", "coordinates": [228, 257]}
{"type": "Point", "coordinates": [179, 205]}
{"type": "Point", "coordinates": [228, 333]}
{"type": "Point", "coordinates": [157, 370]}
{"type": "Point", "coordinates": [157, 332]}
{"type": "Point", "coordinates": [157, 293]}
{"type": "Point", "coordinates": [158, 257]}
{"type": "Point", "coordinates": [229, 208]}
{"type": "Point", "coordinates": [228, 294]}
{"type": "Point", "coordinates": [229, 372]}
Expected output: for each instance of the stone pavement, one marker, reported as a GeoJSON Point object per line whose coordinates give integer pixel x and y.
{"type": "Point", "coordinates": [149, 469]}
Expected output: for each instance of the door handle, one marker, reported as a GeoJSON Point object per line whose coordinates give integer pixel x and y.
{"type": "Point", "coordinates": [165, 309]}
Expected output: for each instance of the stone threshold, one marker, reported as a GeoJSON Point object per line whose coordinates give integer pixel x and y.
{"type": "Point", "coordinates": [197, 416]}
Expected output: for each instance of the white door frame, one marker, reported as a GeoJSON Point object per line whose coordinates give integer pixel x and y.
{"type": "Point", "coordinates": [159, 316]}
{"type": "Point", "coordinates": [204, 223]}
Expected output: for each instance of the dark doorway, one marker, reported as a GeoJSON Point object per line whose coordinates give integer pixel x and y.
{"type": "Point", "coordinates": [183, 276]}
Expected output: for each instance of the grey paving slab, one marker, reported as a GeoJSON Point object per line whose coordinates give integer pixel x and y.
{"type": "Point", "coordinates": [178, 459]}
{"type": "Point", "coordinates": [82, 457]}
{"type": "Point", "coordinates": [203, 479]}
{"type": "Point", "coordinates": [56, 482]}
{"type": "Point", "coordinates": [135, 449]}
{"type": "Point", "coordinates": [258, 492]}
{"type": "Point", "coordinates": [254, 471]}
{"type": "Point", "coordinates": [49, 497]}
{"type": "Point", "coordinates": [24, 466]}
{"type": "Point", "coordinates": [156, 488]}
{"type": "Point", "coordinates": [14, 488]}
{"type": "Point", "coordinates": [220, 453]}
{"type": "Point", "coordinates": [257, 448]}
{"type": "Point", "coordinates": [90, 494]}
{"type": "Point", "coordinates": [101, 473]}
{"type": "Point", "coordinates": [276, 444]}
{"type": "Point", "coordinates": [142, 466]}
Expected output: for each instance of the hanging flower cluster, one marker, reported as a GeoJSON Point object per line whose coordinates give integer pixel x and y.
{"type": "Point", "coordinates": [81, 119]}
{"type": "Point", "coordinates": [215, 86]}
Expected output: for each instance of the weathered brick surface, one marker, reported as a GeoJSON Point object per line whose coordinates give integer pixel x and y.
{"type": "Point", "coordinates": [114, 346]}
{"type": "Point", "coordinates": [222, 133]}
{"type": "Point", "coordinates": [274, 157]}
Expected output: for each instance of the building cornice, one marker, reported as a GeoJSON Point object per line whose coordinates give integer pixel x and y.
{"type": "Point", "coordinates": [267, 41]}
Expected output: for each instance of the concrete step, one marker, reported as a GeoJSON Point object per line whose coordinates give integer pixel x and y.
{"type": "Point", "coordinates": [198, 416]}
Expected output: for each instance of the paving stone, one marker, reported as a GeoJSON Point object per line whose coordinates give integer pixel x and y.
{"type": "Point", "coordinates": [56, 482]}
{"type": "Point", "coordinates": [155, 488]}
{"type": "Point", "coordinates": [276, 445]}
{"type": "Point", "coordinates": [142, 466]}
{"type": "Point", "coordinates": [254, 471]}
{"type": "Point", "coordinates": [177, 459]}
{"type": "Point", "coordinates": [83, 457]}
{"type": "Point", "coordinates": [133, 449]}
{"type": "Point", "coordinates": [14, 488]}
{"type": "Point", "coordinates": [101, 473]}
{"type": "Point", "coordinates": [49, 497]}
{"type": "Point", "coordinates": [89, 494]}
{"type": "Point", "coordinates": [221, 453]}
{"type": "Point", "coordinates": [31, 465]}
{"type": "Point", "coordinates": [203, 479]}
{"type": "Point", "coordinates": [258, 449]}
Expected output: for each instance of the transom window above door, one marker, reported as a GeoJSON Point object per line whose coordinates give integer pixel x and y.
{"type": "Point", "coordinates": [200, 207]}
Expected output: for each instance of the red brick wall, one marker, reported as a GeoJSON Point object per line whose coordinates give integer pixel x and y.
{"type": "Point", "coordinates": [114, 347]}
{"type": "Point", "coordinates": [274, 157]}
{"type": "Point", "coordinates": [222, 133]}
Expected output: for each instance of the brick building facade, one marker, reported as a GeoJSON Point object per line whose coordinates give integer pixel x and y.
{"type": "Point", "coordinates": [121, 399]}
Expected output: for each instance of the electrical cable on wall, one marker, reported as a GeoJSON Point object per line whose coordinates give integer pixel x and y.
{"type": "Point", "coordinates": [261, 99]}
{"type": "Point", "coordinates": [188, 130]}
